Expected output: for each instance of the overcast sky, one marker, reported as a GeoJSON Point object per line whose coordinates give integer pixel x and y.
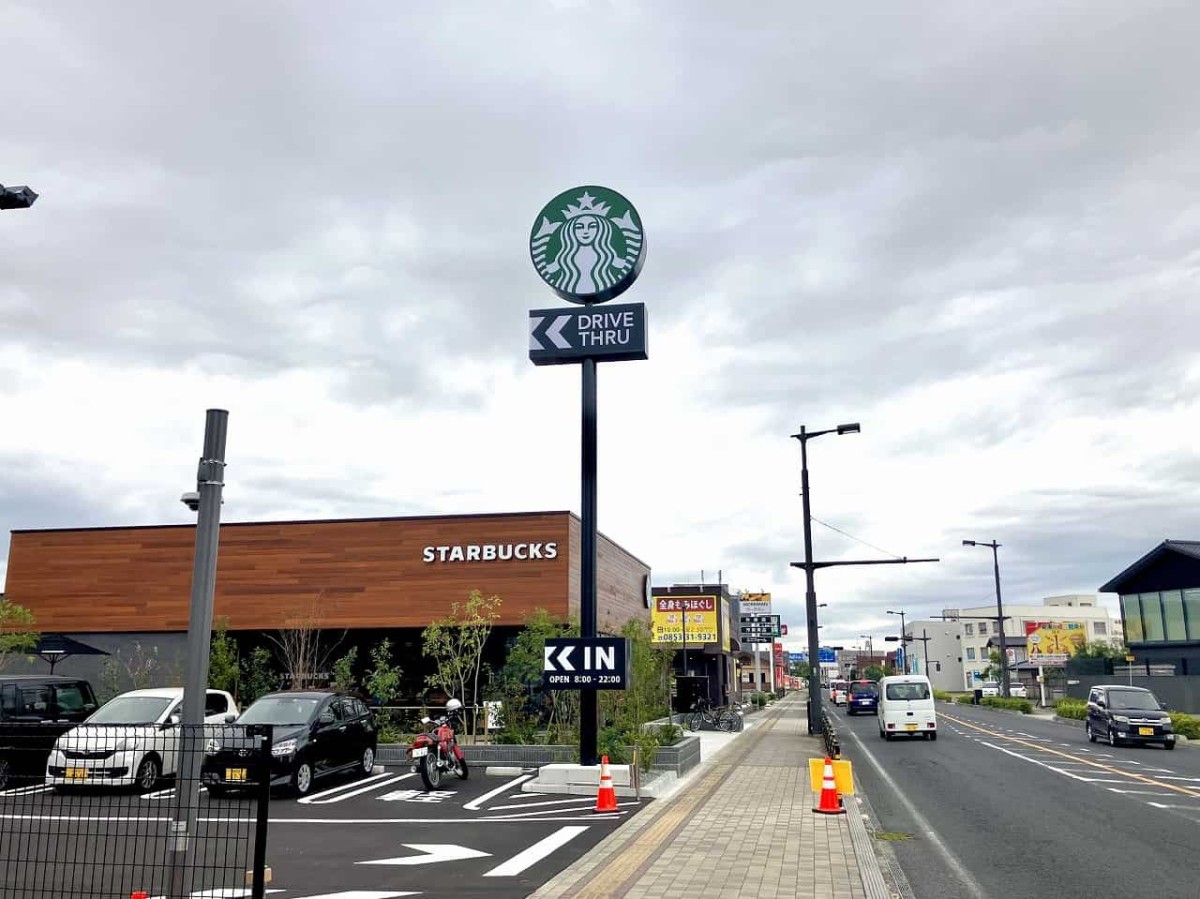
{"type": "Point", "coordinates": [972, 227]}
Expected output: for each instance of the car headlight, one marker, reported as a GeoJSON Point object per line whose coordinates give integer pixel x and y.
{"type": "Point", "coordinates": [127, 743]}
{"type": "Point", "coordinates": [1121, 719]}
{"type": "Point", "coordinates": [287, 747]}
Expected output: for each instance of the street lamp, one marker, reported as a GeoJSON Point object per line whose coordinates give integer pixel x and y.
{"type": "Point", "coordinates": [16, 197]}
{"type": "Point", "coordinates": [999, 611]}
{"type": "Point", "coordinates": [810, 590]}
{"type": "Point", "coordinates": [903, 650]}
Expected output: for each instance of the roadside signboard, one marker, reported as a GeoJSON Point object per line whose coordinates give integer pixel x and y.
{"type": "Point", "coordinates": [606, 334]}
{"type": "Point", "coordinates": [599, 663]}
{"type": "Point", "coordinates": [1052, 643]}
{"type": "Point", "coordinates": [667, 619]}
{"type": "Point", "coordinates": [758, 628]}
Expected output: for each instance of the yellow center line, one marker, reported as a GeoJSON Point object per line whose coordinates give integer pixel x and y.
{"type": "Point", "coordinates": [1075, 758]}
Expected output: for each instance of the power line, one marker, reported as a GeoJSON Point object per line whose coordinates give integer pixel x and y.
{"type": "Point", "coordinates": [856, 539]}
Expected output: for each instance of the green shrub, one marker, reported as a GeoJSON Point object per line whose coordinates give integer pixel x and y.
{"type": "Point", "coordinates": [1067, 707]}
{"type": "Point", "coordinates": [668, 734]}
{"type": "Point", "coordinates": [964, 699]}
{"type": "Point", "coordinates": [1186, 725]}
{"type": "Point", "coordinates": [943, 696]}
{"type": "Point", "coordinates": [1024, 706]}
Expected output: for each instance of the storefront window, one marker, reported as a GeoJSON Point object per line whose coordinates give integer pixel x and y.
{"type": "Point", "coordinates": [1131, 609]}
{"type": "Point", "coordinates": [1172, 603]}
{"type": "Point", "coordinates": [1191, 608]}
{"type": "Point", "coordinates": [1152, 617]}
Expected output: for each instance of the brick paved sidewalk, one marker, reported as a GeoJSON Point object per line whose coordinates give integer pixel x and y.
{"type": "Point", "coordinates": [744, 826]}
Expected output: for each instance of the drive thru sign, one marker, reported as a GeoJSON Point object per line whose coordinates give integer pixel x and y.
{"type": "Point", "coordinates": [601, 663]}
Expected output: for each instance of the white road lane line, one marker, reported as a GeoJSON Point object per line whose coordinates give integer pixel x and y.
{"type": "Point", "coordinates": [351, 785]}
{"type": "Point", "coordinates": [589, 807]}
{"type": "Point", "coordinates": [971, 885]}
{"type": "Point", "coordinates": [361, 894]}
{"type": "Point", "coordinates": [1033, 761]}
{"type": "Point", "coordinates": [536, 852]}
{"type": "Point", "coordinates": [26, 791]}
{"type": "Point", "coordinates": [474, 804]}
{"type": "Point", "coordinates": [341, 797]}
{"type": "Point", "coordinates": [1139, 792]}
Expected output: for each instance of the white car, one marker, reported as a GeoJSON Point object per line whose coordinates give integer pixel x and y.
{"type": "Point", "coordinates": [1016, 689]}
{"type": "Point", "coordinates": [130, 741]}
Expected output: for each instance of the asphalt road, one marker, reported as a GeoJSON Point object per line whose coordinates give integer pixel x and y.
{"type": "Point", "coordinates": [1003, 805]}
{"type": "Point", "coordinates": [379, 837]}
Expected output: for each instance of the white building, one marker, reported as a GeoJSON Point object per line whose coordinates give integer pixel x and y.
{"type": "Point", "coordinates": [935, 648]}
{"type": "Point", "coordinates": [979, 625]}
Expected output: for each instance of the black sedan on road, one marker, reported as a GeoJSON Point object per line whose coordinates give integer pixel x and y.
{"type": "Point", "coordinates": [315, 733]}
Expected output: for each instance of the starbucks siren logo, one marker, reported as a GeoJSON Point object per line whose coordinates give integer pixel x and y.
{"type": "Point", "coordinates": [587, 244]}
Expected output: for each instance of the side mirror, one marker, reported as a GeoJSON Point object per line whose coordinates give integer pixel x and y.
{"type": "Point", "coordinates": [230, 718]}
{"type": "Point", "coordinates": [172, 721]}
{"type": "Point", "coordinates": [425, 720]}
{"type": "Point", "coordinates": [1100, 703]}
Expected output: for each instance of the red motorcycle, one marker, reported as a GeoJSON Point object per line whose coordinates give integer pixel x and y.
{"type": "Point", "coordinates": [436, 752]}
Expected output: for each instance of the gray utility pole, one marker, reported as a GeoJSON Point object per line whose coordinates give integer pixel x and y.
{"type": "Point", "coordinates": [924, 641]}
{"type": "Point", "coordinates": [995, 547]}
{"type": "Point", "coordinates": [810, 567]}
{"type": "Point", "coordinates": [210, 479]}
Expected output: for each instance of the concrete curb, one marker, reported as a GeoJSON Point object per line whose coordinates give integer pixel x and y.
{"type": "Point", "coordinates": [869, 867]}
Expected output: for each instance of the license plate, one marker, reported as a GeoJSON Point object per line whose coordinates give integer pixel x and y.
{"type": "Point", "coordinates": [235, 775]}
{"type": "Point", "coordinates": [910, 727]}
{"type": "Point", "coordinates": [1146, 731]}
{"type": "Point", "coordinates": [77, 773]}
{"type": "Point", "coordinates": [417, 753]}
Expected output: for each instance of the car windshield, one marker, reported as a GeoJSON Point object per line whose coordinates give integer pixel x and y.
{"type": "Point", "coordinates": [907, 691]}
{"type": "Point", "coordinates": [280, 710]}
{"type": "Point", "coordinates": [863, 690]}
{"type": "Point", "coordinates": [131, 710]}
{"type": "Point", "coordinates": [1133, 700]}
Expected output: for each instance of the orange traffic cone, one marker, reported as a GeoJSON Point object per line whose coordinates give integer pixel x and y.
{"type": "Point", "coordinates": [606, 797]}
{"type": "Point", "coordinates": [829, 803]}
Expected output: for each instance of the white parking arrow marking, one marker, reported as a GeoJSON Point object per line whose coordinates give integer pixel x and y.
{"type": "Point", "coordinates": [554, 332]}
{"type": "Point", "coordinates": [433, 853]}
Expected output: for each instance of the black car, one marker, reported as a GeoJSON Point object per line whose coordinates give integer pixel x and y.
{"type": "Point", "coordinates": [864, 697]}
{"type": "Point", "coordinates": [316, 732]}
{"type": "Point", "coordinates": [35, 710]}
{"type": "Point", "coordinates": [1122, 714]}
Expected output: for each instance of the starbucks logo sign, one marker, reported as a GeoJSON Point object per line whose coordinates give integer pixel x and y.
{"type": "Point", "coordinates": [587, 244]}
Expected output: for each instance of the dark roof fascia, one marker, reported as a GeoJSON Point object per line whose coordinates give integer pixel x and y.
{"type": "Point", "coordinates": [1189, 548]}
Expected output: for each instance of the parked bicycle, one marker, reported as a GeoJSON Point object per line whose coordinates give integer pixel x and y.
{"type": "Point", "coordinates": [703, 716]}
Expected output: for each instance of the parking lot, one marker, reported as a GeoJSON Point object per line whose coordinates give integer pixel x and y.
{"type": "Point", "coordinates": [376, 837]}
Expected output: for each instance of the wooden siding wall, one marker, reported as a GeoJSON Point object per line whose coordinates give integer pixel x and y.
{"type": "Point", "coordinates": [619, 591]}
{"type": "Point", "coordinates": [344, 574]}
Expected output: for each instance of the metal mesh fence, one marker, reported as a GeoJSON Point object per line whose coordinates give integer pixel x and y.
{"type": "Point", "coordinates": [102, 811]}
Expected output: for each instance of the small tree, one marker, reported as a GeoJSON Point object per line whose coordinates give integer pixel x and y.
{"type": "Point", "coordinates": [304, 654]}
{"type": "Point", "coordinates": [526, 706]}
{"type": "Point", "coordinates": [258, 675]}
{"type": "Point", "coordinates": [17, 634]}
{"type": "Point", "coordinates": [223, 669]}
{"type": "Point", "coordinates": [1101, 649]}
{"type": "Point", "coordinates": [383, 680]}
{"type": "Point", "coordinates": [873, 672]}
{"type": "Point", "coordinates": [343, 671]}
{"type": "Point", "coordinates": [455, 644]}
{"type": "Point", "coordinates": [993, 671]}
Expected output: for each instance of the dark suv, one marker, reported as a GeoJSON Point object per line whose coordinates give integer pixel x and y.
{"type": "Point", "coordinates": [864, 697]}
{"type": "Point", "coordinates": [316, 732]}
{"type": "Point", "coordinates": [1122, 714]}
{"type": "Point", "coordinates": [35, 710]}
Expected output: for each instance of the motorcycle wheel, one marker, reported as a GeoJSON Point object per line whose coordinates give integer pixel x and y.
{"type": "Point", "coordinates": [460, 768]}
{"type": "Point", "coordinates": [431, 774]}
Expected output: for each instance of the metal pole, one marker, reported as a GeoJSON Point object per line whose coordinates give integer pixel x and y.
{"type": "Point", "coordinates": [258, 884]}
{"type": "Point", "coordinates": [810, 597]}
{"type": "Point", "coordinates": [757, 669]}
{"type": "Point", "coordinates": [1000, 620]}
{"type": "Point", "coordinates": [589, 707]}
{"type": "Point", "coordinates": [210, 479]}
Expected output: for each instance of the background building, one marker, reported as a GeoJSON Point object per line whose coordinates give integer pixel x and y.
{"type": "Point", "coordinates": [940, 656]}
{"type": "Point", "coordinates": [977, 629]}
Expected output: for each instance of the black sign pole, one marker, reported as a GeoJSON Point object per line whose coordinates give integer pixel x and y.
{"type": "Point", "coordinates": [589, 707]}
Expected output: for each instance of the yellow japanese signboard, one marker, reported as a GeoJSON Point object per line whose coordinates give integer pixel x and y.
{"type": "Point", "coordinates": [1052, 643]}
{"type": "Point", "coordinates": [672, 616]}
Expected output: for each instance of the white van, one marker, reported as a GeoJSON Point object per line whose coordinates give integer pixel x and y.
{"type": "Point", "coordinates": [906, 707]}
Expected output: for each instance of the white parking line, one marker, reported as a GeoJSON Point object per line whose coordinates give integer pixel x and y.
{"type": "Point", "coordinates": [474, 804]}
{"type": "Point", "coordinates": [496, 808]}
{"type": "Point", "coordinates": [536, 852]}
{"type": "Point", "coordinates": [363, 786]}
{"type": "Point", "coordinates": [26, 791]}
{"type": "Point", "coordinates": [1139, 792]}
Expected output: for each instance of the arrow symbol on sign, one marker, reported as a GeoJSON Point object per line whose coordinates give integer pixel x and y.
{"type": "Point", "coordinates": [548, 328]}
{"type": "Point", "coordinates": [564, 658]}
{"type": "Point", "coordinates": [563, 661]}
{"type": "Point", "coordinates": [433, 853]}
